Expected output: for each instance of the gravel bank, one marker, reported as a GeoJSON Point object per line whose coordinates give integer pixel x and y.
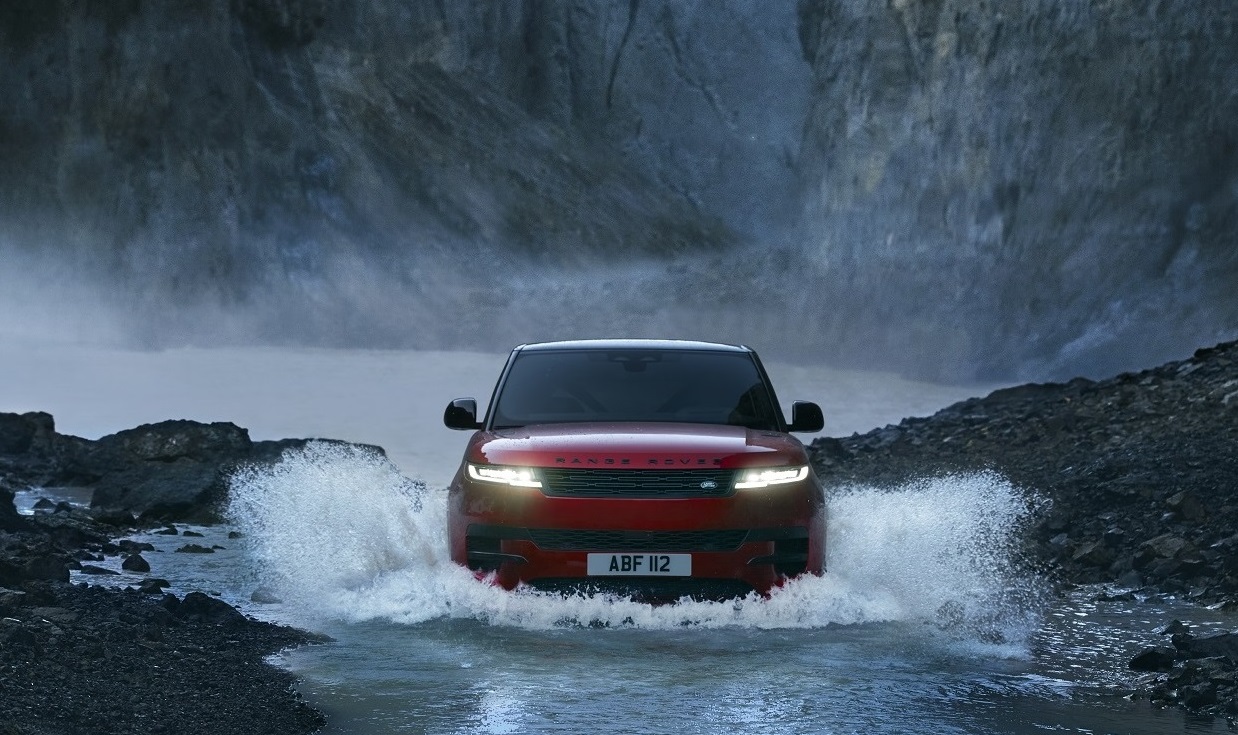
{"type": "Point", "coordinates": [1140, 475]}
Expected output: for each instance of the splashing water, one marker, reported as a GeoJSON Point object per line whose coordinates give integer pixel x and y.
{"type": "Point", "coordinates": [341, 534]}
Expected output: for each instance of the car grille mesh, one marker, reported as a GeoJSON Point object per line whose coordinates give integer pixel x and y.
{"type": "Point", "coordinates": [602, 483]}
{"type": "Point", "coordinates": [640, 541]}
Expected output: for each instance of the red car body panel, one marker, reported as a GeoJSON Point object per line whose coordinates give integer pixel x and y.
{"type": "Point", "coordinates": [767, 522]}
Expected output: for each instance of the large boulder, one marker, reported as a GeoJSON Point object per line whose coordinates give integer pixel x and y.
{"type": "Point", "coordinates": [171, 470]}
{"type": "Point", "coordinates": [10, 519]}
{"type": "Point", "coordinates": [19, 433]}
{"type": "Point", "coordinates": [1210, 646]}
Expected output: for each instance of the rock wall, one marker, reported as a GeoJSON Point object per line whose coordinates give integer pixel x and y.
{"type": "Point", "coordinates": [710, 98]}
{"type": "Point", "coordinates": [329, 174]}
{"type": "Point", "coordinates": [1040, 187]}
{"type": "Point", "coordinates": [953, 188]}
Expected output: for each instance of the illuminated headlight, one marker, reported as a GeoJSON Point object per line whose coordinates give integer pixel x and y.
{"type": "Point", "coordinates": [514, 476]}
{"type": "Point", "coordinates": [766, 476]}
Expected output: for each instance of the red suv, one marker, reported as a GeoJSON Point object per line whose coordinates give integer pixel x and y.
{"type": "Point", "coordinates": [652, 468]}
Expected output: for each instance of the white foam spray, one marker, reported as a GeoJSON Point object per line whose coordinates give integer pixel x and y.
{"type": "Point", "coordinates": [342, 535]}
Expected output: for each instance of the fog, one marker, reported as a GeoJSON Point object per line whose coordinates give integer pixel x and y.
{"type": "Point", "coordinates": [905, 189]}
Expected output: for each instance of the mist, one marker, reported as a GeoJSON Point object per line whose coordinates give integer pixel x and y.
{"type": "Point", "coordinates": [944, 191]}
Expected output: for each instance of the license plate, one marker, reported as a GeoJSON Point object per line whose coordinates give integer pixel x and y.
{"type": "Point", "coordinates": [640, 565]}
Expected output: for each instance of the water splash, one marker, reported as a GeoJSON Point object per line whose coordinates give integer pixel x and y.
{"type": "Point", "coordinates": [341, 534]}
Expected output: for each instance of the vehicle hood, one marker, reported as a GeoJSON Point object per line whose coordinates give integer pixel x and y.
{"type": "Point", "coordinates": [636, 446]}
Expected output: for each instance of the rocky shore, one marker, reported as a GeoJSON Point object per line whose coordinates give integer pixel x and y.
{"type": "Point", "coordinates": [76, 658]}
{"type": "Point", "coordinates": [1140, 477]}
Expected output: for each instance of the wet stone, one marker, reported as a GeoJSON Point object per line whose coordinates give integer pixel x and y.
{"type": "Point", "coordinates": [264, 596]}
{"type": "Point", "coordinates": [1158, 658]}
{"type": "Point", "coordinates": [153, 586]}
{"type": "Point", "coordinates": [135, 563]}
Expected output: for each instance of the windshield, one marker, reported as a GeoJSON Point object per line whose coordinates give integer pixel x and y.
{"type": "Point", "coordinates": [694, 386]}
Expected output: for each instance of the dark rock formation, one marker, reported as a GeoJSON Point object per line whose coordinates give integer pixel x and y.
{"type": "Point", "coordinates": [1044, 189]}
{"type": "Point", "coordinates": [135, 563]}
{"type": "Point", "coordinates": [1200, 673]}
{"type": "Point", "coordinates": [10, 520]}
{"type": "Point", "coordinates": [166, 470]}
{"type": "Point", "coordinates": [259, 156]}
{"type": "Point", "coordinates": [170, 471]}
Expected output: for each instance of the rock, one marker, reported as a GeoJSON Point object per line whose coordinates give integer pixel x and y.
{"type": "Point", "coordinates": [23, 433]}
{"type": "Point", "coordinates": [1158, 658]}
{"type": "Point", "coordinates": [1095, 554]}
{"type": "Point", "coordinates": [43, 504]}
{"type": "Point", "coordinates": [264, 596]}
{"type": "Point", "coordinates": [9, 600]}
{"type": "Point", "coordinates": [117, 518]}
{"type": "Point", "coordinates": [11, 575]}
{"type": "Point", "coordinates": [58, 615]}
{"type": "Point", "coordinates": [207, 608]}
{"type": "Point", "coordinates": [92, 569]}
{"type": "Point", "coordinates": [829, 451]}
{"type": "Point", "coordinates": [1186, 505]}
{"type": "Point", "coordinates": [195, 549]}
{"type": "Point", "coordinates": [135, 563]}
{"type": "Point", "coordinates": [10, 519]}
{"type": "Point", "coordinates": [173, 469]}
{"type": "Point", "coordinates": [1198, 696]}
{"type": "Point", "coordinates": [48, 567]}
{"type": "Point", "coordinates": [193, 534]}
{"type": "Point", "coordinates": [1219, 644]}
{"type": "Point", "coordinates": [153, 586]}
{"type": "Point", "coordinates": [169, 531]}
{"type": "Point", "coordinates": [169, 441]}
{"type": "Point", "coordinates": [133, 547]}
{"type": "Point", "coordinates": [1166, 546]}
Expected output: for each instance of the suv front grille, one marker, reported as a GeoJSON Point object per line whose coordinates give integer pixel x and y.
{"type": "Point", "coordinates": [639, 541]}
{"type": "Point", "coordinates": [601, 483]}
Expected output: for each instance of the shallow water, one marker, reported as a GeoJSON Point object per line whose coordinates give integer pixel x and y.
{"type": "Point", "coordinates": [927, 621]}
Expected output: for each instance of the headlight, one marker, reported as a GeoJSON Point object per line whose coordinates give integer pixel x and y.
{"type": "Point", "coordinates": [765, 476]}
{"type": "Point", "coordinates": [514, 476]}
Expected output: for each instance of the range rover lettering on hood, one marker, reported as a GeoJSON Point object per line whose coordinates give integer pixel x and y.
{"type": "Point", "coordinates": [629, 462]}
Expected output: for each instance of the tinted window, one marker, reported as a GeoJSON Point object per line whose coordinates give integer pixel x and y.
{"type": "Point", "coordinates": [635, 385]}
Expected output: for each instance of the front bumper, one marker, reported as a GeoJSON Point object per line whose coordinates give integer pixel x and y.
{"type": "Point", "coordinates": [749, 540]}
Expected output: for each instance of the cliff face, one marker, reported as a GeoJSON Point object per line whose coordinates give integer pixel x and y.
{"type": "Point", "coordinates": [954, 187]}
{"type": "Point", "coordinates": [708, 97]}
{"type": "Point", "coordinates": [1059, 180]}
{"type": "Point", "coordinates": [319, 168]}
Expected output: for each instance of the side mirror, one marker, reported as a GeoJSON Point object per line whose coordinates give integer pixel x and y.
{"type": "Point", "coordinates": [806, 416]}
{"type": "Point", "coordinates": [461, 414]}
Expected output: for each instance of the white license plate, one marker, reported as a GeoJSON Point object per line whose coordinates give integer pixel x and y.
{"type": "Point", "coordinates": [640, 565]}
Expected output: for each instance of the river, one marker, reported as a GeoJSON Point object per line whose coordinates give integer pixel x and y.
{"type": "Point", "coordinates": [927, 622]}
